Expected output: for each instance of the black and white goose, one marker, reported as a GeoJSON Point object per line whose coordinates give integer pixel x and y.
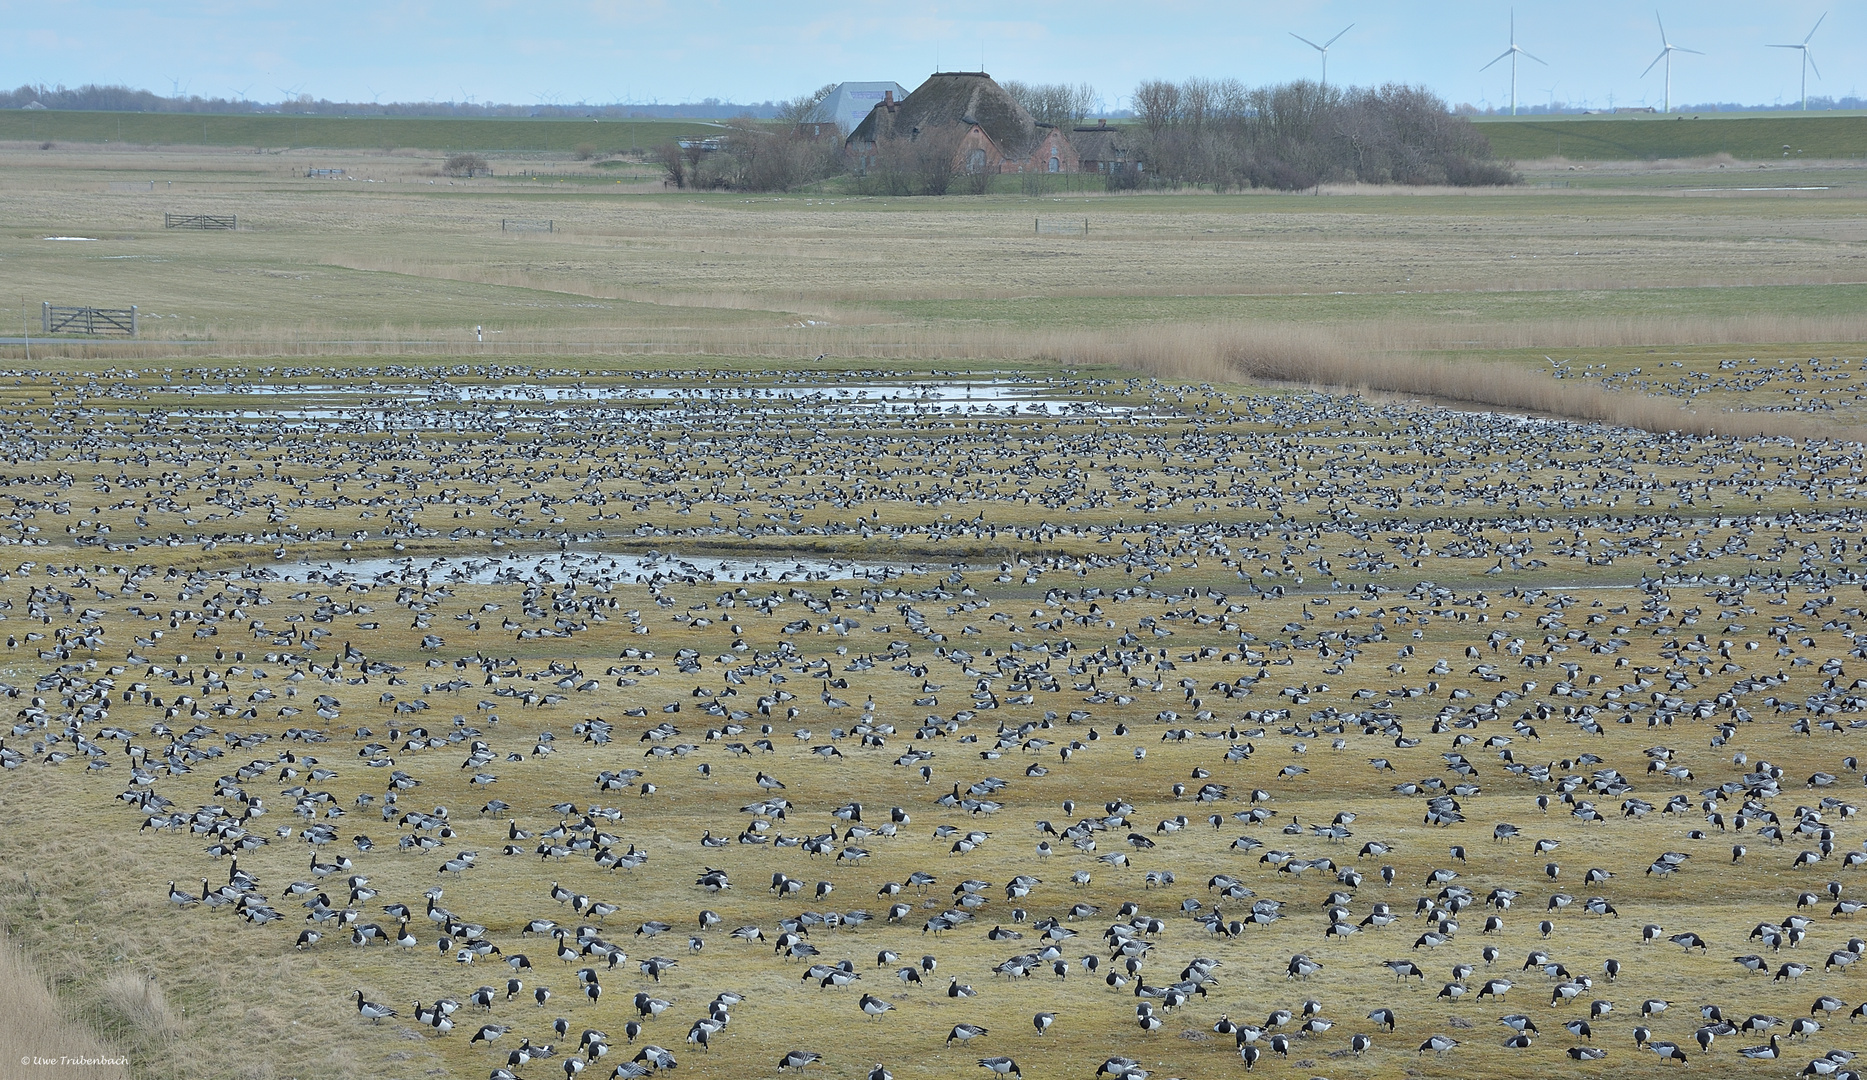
{"type": "Point", "coordinates": [373, 1011]}
{"type": "Point", "coordinates": [965, 1033]}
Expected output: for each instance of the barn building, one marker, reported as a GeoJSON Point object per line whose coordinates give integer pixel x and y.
{"type": "Point", "coordinates": [1103, 149]}
{"type": "Point", "coordinates": [850, 102]}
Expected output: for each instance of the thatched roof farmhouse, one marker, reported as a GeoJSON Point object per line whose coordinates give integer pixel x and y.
{"type": "Point", "coordinates": [991, 131]}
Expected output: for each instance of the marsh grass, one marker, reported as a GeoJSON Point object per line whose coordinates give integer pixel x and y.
{"type": "Point", "coordinates": [33, 1021]}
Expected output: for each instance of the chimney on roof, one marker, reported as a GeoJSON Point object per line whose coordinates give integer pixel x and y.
{"type": "Point", "coordinates": [888, 100]}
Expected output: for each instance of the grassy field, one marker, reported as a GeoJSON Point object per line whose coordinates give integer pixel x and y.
{"type": "Point", "coordinates": [272, 132]}
{"type": "Point", "coordinates": [1746, 137]}
{"type": "Point", "coordinates": [1542, 501]}
{"type": "Point", "coordinates": [1582, 138]}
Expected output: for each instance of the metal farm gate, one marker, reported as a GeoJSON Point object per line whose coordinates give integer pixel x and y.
{"type": "Point", "coordinates": [87, 320]}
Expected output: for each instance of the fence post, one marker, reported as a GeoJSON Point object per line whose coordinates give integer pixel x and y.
{"type": "Point", "coordinates": [133, 320]}
{"type": "Point", "coordinates": [45, 317]}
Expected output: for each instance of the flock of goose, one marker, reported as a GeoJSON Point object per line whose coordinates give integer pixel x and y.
{"type": "Point", "coordinates": [1228, 706]}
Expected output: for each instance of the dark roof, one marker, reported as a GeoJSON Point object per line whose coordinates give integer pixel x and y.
{"type": "Point", "coordinates": [955, 97]}
{"type": "Point", "coordinates": [1100, 144]}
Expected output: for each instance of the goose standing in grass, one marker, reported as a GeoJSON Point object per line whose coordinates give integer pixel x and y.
{"type": "Point", "coordinates": [965, 1033]}
{"type": "Point", "coordinates": [489, 1033]}
{"type": "Point", "coordinates": [373, 1011]}
{"type": "Point", "coordinates": [873, 1006]}
{"type": "Point", "coordinates": [1003, 1066]}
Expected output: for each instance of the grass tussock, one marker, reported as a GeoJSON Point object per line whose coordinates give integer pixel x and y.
{"type": "Point", "coordinates": [33, 1022]}
{"type": "Point", "coordinates": [138, 1001]}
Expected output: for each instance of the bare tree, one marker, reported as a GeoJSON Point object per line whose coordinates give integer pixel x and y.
{"type": "Point", "coordinates": [936, 159]}
{"type": "Point", "coordinates": [1157, 103]}
{"type": "Point", "coordinates": [1056, 104]}
{"type": "Point", "coordinates": [799, 109]}
{"type": "Point", "coordinates": [669, 156]}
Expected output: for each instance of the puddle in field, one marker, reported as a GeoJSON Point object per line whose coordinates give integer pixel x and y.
{"type": "Point", "coordinates": [612, 567]}
{"type": "Point", "coordinates": [959, 399]}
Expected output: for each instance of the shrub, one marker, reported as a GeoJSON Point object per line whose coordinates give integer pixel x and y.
{"type": "Point", "coordinates": [466, 165]}
{"type": "Point", "coordinates": [668, 155]}
{"type": "Point", "coordinates": [1125, 178]}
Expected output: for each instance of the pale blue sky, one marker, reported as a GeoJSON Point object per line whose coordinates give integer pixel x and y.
{"type": "Point", "coordinates": [745, 50]}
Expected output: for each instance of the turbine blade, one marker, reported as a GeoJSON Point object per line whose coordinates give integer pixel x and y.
{"type": "Point", "coordinates": [1785, 46]}
{"type": "Point", "coordinates": [1307, 41]}
{"type": "Point", "coordinates": [1333, 40]}
{"type": "Point", "coordinates": [1817, 26]}
{"type": "Point", "coordinates": [1682, 48]}
{"type": "Point", "coordinates": [1501, 56]}
{"type": "Point", "coordinates": [1656, 62]}
{"type": "Point", "coordinates": [1543, 62]}
{"type": "Point", "coordinates": [1810, 57]}
{"type": "Point", "coordinates": [1662, 22]}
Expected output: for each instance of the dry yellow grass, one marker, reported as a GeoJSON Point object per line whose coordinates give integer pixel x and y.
{"type": "Point", "coordinates": [1312, 498]}
{"type": "Point", "coordinates": [38, 1035]}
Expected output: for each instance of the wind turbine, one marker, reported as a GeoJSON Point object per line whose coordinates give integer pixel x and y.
{"type": "Point", "coordinates": [1808, 61]}
{"type": "Point", "coordinates": [1323, 49]}
{"type": "Point", "coordinates": [1667, 49]}
{"type": "Point", "coordinates": [1513, 52]}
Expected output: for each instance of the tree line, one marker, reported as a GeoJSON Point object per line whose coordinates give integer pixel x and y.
{"type": "Point", "coordinates": [115, 98]}
{"type": "Point", "coordinates": [1222, 134]}
{"type": "Point", "coordinates": [1210, 133]}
